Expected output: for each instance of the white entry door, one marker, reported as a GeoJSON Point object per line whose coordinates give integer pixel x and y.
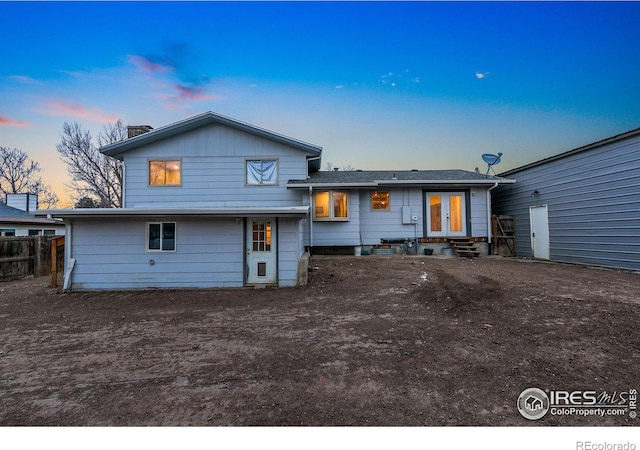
{"type": "Point", "coordinates": [539, 216]}
{"type": "Point", "coordinates": [446, 214]}
{"type": "Point", "coordinates": [261, 251]}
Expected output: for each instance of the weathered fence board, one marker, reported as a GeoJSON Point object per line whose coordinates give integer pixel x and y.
{"type": "Point", "coordinates": [23, 256]}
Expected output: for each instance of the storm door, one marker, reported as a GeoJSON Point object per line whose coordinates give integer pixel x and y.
{"type": "Point", "coordinates": [261, 251]}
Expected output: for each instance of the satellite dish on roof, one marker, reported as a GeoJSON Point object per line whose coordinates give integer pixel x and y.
{"type": "Point", "coordinates": [491, 161]}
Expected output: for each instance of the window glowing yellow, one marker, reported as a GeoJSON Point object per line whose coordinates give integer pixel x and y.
{"type": "Point", "coordinates": [261, 241]}
{"type": "Point", "coordinates": [435, 212]}
{"type": "Point", "coordinates": [380, 200]}
{"type": "Point", "coordinates": [340, 205]}
{"type": "Point", "coordinates": [455, 213]}
{"type": "Point", "coordinates": [321, 205]}
{"type": "Point", "coordinates": [330, 205]}
{"type": "Point", "coordinates": [165, 173]}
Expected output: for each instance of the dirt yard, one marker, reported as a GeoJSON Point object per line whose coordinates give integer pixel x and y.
{"type": "Point", "coordinates": [369, 341]}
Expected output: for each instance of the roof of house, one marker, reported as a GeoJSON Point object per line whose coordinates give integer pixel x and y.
{"type": "Point", "coordinates": [17, 216]}
{"type": "Point", "coordinates": [192, 123]}
{"type": "Point", "coordinates": [584, 148]}
{"type": "Point", "coordinates": [374, 178]}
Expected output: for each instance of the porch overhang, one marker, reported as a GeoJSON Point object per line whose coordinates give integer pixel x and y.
{"type": "Point", "coordinates": [72, 213]}
{"type": "Point", "coordinates": [427, 184]}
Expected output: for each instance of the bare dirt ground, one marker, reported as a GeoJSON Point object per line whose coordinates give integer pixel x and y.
{"type": "Point", "coordinates": [368, 342]}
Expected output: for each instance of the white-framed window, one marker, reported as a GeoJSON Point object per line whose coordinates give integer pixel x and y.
{"type": "Point", "coordinates": [161, 237]}
{"type": "Point", "coordinates": [7, 231]}
{"type": "Point", "coordinates": [165, 172]}
{"type": "Point", "coordinates": [331, 205]}
{"type": "Point", "coordinates": [261, 172]}
{"type": "Point", "coordinates": [380, 201]}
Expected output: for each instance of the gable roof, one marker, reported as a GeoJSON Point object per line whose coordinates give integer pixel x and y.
{"type": "Point", "coordinates": [584, 148]}
{"type": "Point", "coordinates": [116, 150]}
{"type": "Point", "coordinates": [374, 178]}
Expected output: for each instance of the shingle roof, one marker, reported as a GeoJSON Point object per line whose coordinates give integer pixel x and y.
{"type": "Point", "coordinates": [376, 177]}
{"type": "Point", "coordinates": [14, 215]}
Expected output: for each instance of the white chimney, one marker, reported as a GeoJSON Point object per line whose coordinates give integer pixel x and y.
{"type": "Point", "coordinates": [23, 202]}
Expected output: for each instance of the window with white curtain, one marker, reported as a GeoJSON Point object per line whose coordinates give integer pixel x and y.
{"type": "Point", "coordinates": [262, 172]}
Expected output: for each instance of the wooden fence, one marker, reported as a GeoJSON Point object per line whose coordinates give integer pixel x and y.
{"type": "Point", "coordinates": [503, 230]}
{"type": "Point", "coordinates": [24, 256]}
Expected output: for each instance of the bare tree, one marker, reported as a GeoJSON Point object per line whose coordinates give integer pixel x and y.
{"type": "Point", "coordinates": [93, 174]}
{"type": "Point", "coordinates": [17, 171]}
{"type": "Point", "coordinates": [330, 167]}
{"type": "Point", "coordinates": [46, 197]}
{"type": "Point", "coordinates": [19, 174]}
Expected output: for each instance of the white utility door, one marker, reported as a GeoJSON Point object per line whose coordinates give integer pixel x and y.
{"type": "Point", "coordinates": [261, 251]}
{"type": "Point", "coordinates": [539, 216]}
{"type": "Point", "coordinates": [446, 214]}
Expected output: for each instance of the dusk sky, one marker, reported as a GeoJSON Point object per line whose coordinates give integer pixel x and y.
{"type": "Point", "coordinates": [378, 85]}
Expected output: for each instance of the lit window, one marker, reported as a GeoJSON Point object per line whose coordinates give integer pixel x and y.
{"type": "Point", "coordinates": [380, 201]}
{"type": "Point", "coordinates": [261, 241]}
{"type": "Point", "coordinates": [161, 237]}
{"type": "Point", "coordinates": [330, 205]}
{"type": "Point", "coordinates": [261, 172]}
{"type": "Point", "coordinates": [165, 173]}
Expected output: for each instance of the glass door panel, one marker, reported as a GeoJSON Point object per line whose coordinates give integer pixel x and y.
{"type": "Point", "coordinates": [435, 213]}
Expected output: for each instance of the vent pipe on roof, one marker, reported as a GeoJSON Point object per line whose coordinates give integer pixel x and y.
{"type": "Point", "coordinates": [137, 130]}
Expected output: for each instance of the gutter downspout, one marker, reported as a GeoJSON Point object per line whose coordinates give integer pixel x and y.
{"type": "Point", "coordinates": [315, 158]}
{"type": "Point", "coordinates": [68, 260]}
{"type": "Point", "coordinates": [310, 219]}
{"type": "Point", "coordinates": [489, 211]}
{"type": "Point", "coordinates": [122, 186]}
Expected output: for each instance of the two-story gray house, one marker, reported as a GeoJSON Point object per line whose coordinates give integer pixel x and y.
{"type": "Point", "coordinates": [213, 202]}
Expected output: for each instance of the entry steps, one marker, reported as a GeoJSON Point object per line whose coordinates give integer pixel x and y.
{"type": "Point", "coordinates": [464, 246]}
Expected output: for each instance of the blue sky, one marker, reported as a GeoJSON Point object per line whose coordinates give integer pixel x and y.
{"type": "Point", "coordinates": [378, 85]}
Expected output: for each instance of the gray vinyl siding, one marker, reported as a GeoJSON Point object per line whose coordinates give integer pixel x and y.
{"type": "Point", "coordinates": [288, 251]}
{"type": "Point", "coordinates": [368, 226]}
{"type": "Point", "coordinates": [213, 170]}
{"type": "Point", "coordinates": [377, 224]}
{"type": "Point", "coordinates": [339, 233]}
{"type": "Point", "coordinates": [479, 220]}
{"type": "Point", "coordinates": [111, 254]}
{"type": "Point", "coordinates": [593, 199]}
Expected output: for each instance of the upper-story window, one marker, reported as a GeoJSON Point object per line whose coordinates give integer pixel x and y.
{"type": "Point", "coordinates": [165, 172]}
{"type": "Point", "coordinates": [261, 172]}
{"type": "Point", "coordinates": [330, 205]}
{"type": "Point", "coordinates": [380, 201]}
